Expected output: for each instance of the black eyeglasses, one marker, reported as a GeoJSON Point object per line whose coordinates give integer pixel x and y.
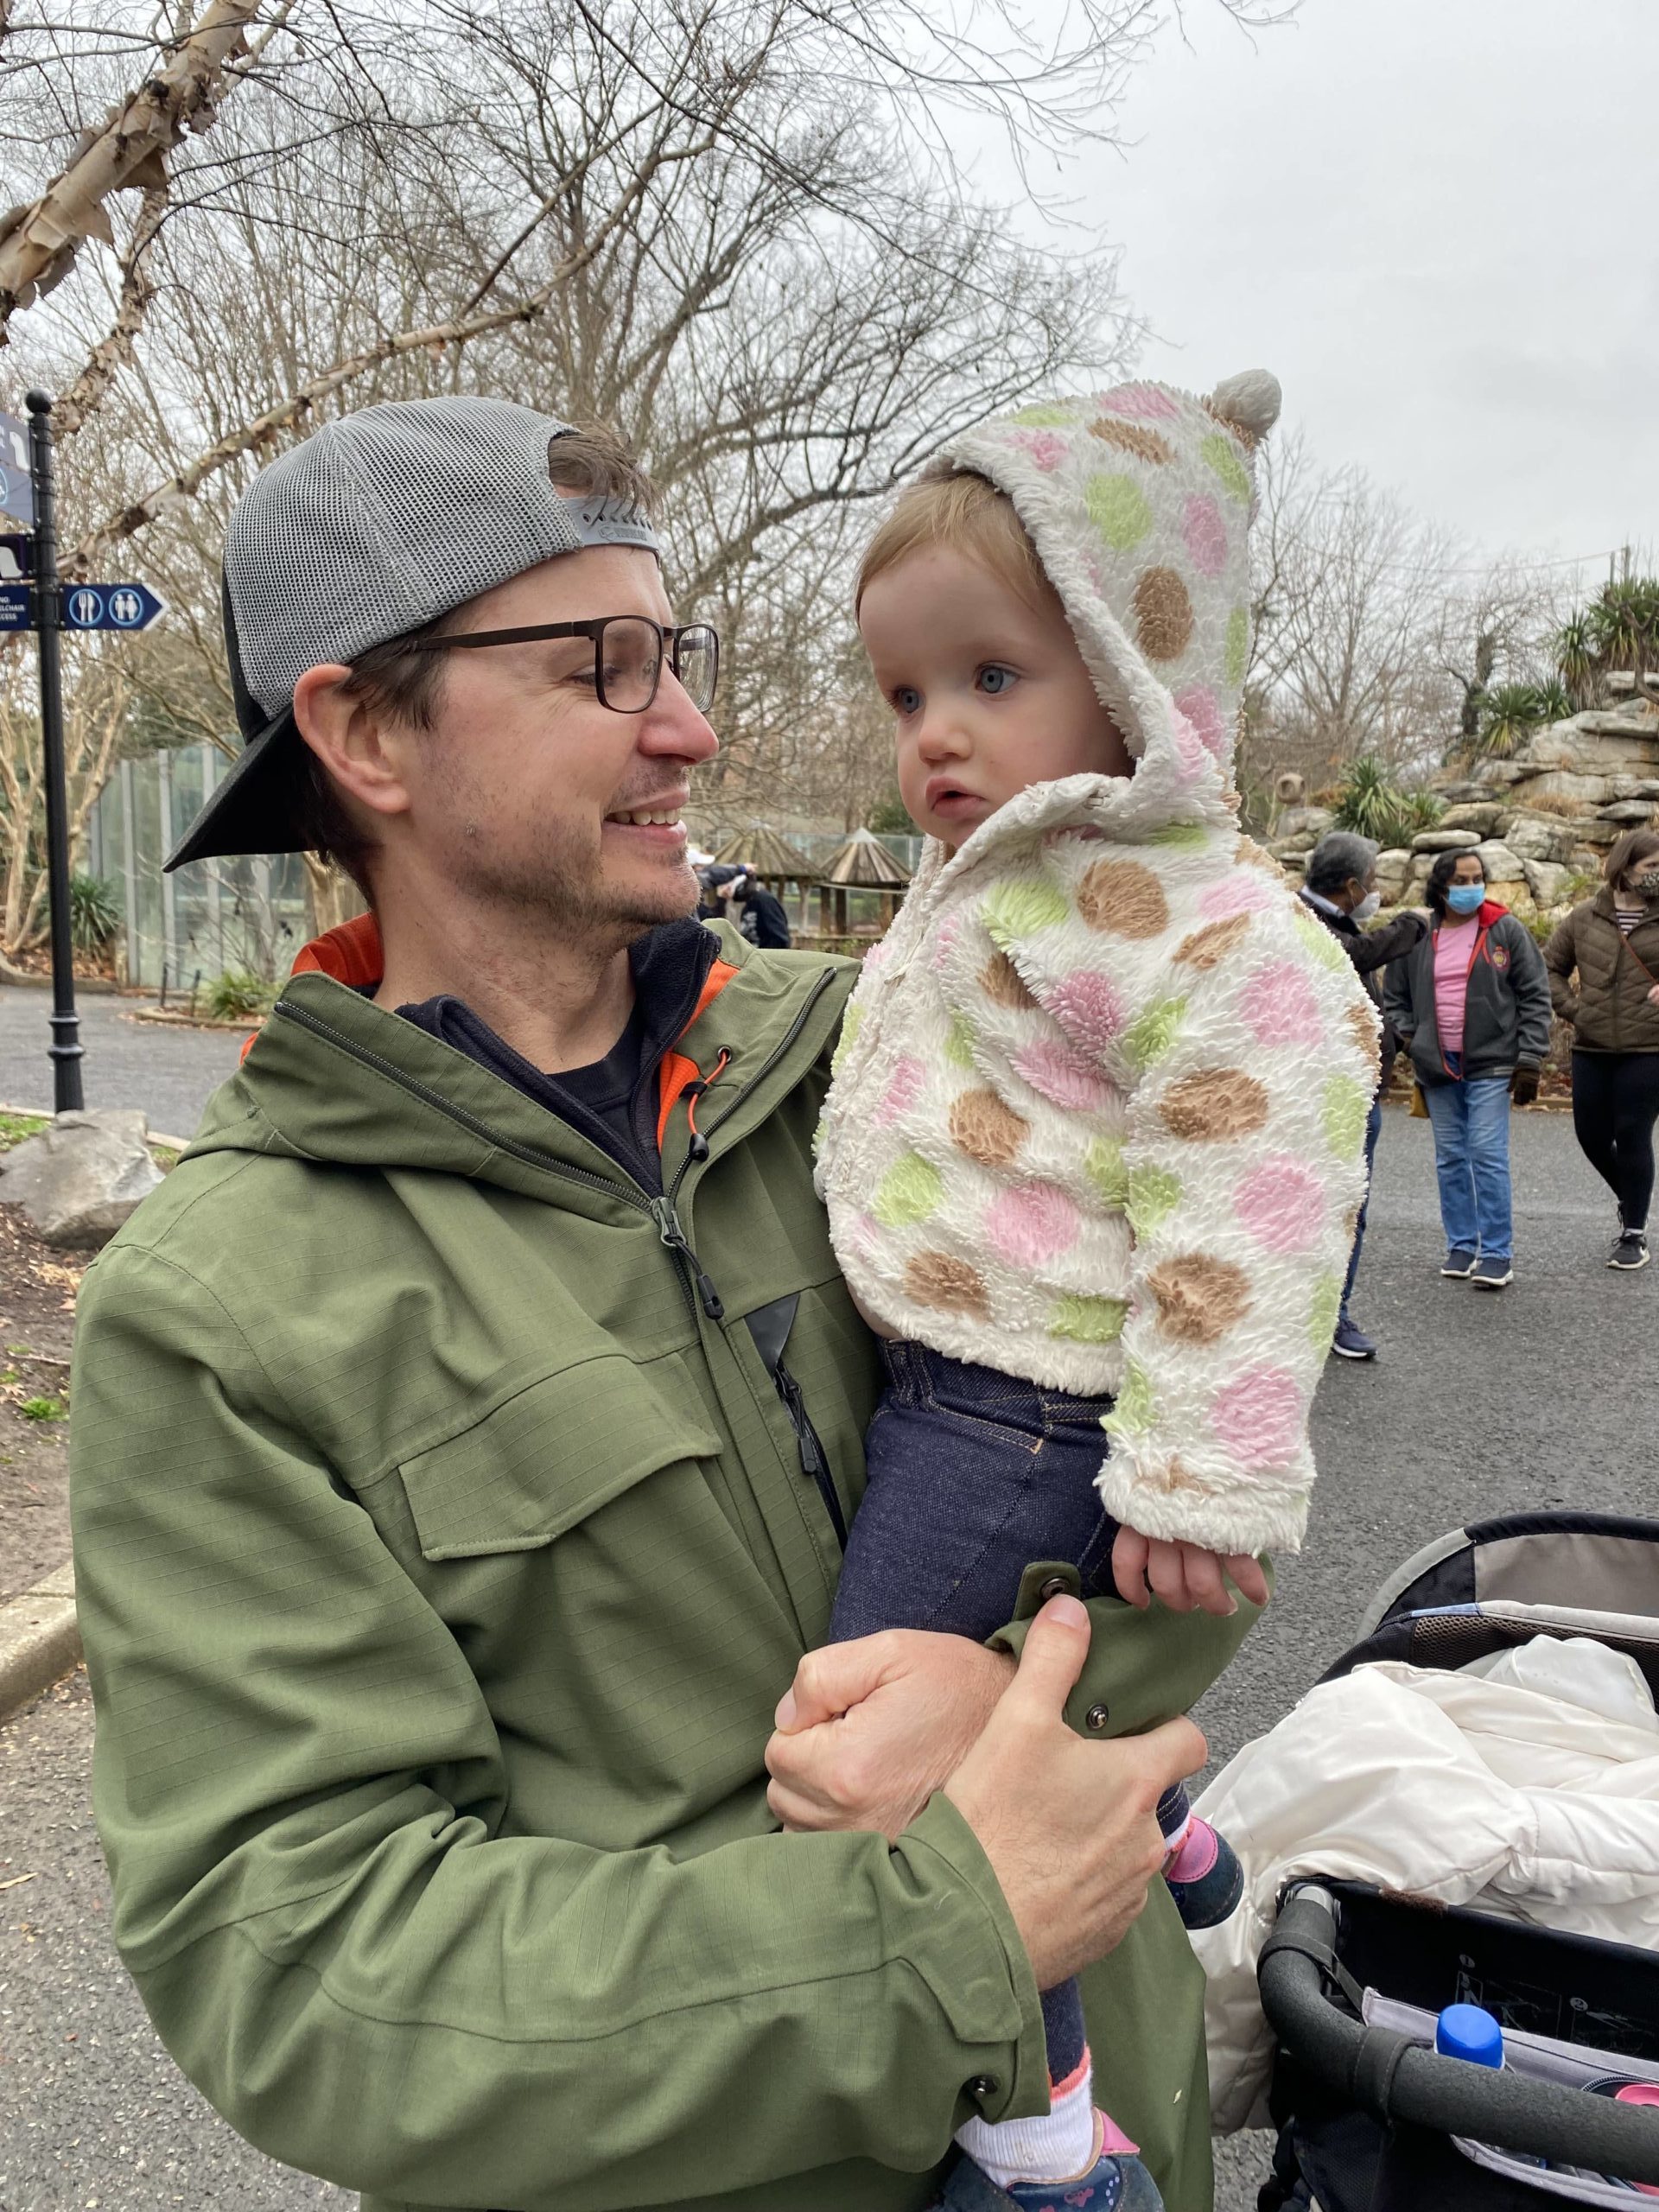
{"type": "Point", "coordinates": [629, 654]}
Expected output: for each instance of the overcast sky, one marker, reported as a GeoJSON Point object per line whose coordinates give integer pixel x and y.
{"type": "Point", "coordinates": [1438, 222]}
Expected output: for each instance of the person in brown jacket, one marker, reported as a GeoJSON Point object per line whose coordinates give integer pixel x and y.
{"type": "Point", "coordinates": [1612, 943]}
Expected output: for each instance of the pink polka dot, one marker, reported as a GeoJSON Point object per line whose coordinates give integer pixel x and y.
{"type": "Point", "coordinates": [1245, 891]}
{"type": "Point", "coordinates": [1280, 1008]}
{"type": "Point", "coordinates": [902, 1093]}
{"type": "Point", "coordinates": [1033, 1224]}
{"type": "Point", "coordinates": [1088, 1007]}
{"type": "Point", "coordinates": [1046, 448]}
{"type": "Point", "coordinates": [1259, 1418]}
{"type": "Point", "coordinates": [1190, 750]}
{"type": "Point", "coordinates": [1063, 1077]}
{"type": "Point", "coordinates": [1206, 535]}
{"type": "Point", "coordinates": [1203, 709]}
{"type": "Point", "coordinates": [1281, 1204]}
{"type": "Point", "coordinates": [1141, 402]}
{"type": "Point", "coordinates": [878, 955]}
{"type": "Point", "coordinates": [945, 939]}
{"type": "Point", "coordinates": [865, 1236]}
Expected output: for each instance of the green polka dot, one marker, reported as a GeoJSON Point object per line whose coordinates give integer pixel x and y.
{"type": "Point", "coordinates": [1102, 1163]}
{"type": "Point", "coordinates": [1019, 907]}
{"type": "Point", "coordinates": [1325, 1306]}
{"type": "Point", "coordinates": [1322, 944]}
{"type": "Point", "coordinates": [1151, 1034]}
{"type": "Point", "coordinates": [1136, 1407]}
{"type": "Point", "coordinates": [1089, 1320]}
{"type": "Point", "coordinates": [1119, 510]}
{"type": "Point", "coordinates": [852, 1023]}
{"type": "Point", "coordinates": [1236, 657]}
{"type": "Point", "coordinates": [1181, 834]}
{"type": "Point", "coordinates": [1047, 416]}
{"type": "Point", "coordinates": [1220, 452]}
{"type": "Point", "coordinates": [1347, 1107]}
{"type": "Point", "coordinates": [959, 1045]}
{"type": "Point", "coordinates": [910, 1191]}
{"type": "Point", "coordinates": [1155, 1192]}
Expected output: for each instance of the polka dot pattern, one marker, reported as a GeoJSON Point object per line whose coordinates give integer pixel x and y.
{"type": "Point", "coordinates": [1215, 1106]}
{"type": "Point", "coordinates": [1063, 1077]}
{"type": "Point", "coordinates": [1282, 1203]}
{"type": "Point", "coordinates": [1088, 1007]}
{"type": "Point", "coordinates": [911, 1190]}
{"type": "Point", "coordinates": [1118, 508]}
{"type": "Point", "coordinates": [1163, 615]}
{"type": "Point", "coordinates": [1080, 1320]}
{"type": "Point", "coordinates": [1131, 437]}
{"type": "Point", "coordinates": [1280, 1006]}
{"type": "Point", "coordinates": [909, 1077]}
{"type": "Point", "coordinates": [1259, 1417]}
{"type": "Point", "coordinates": [1032, 1223]}
{"type": "Point", "coordinates": [1222, 454]}
{"type": "Point", "coordinates": [1199, 1298]}
{"type": "Point", "coordinates": [1208, 947]}
{"type": "Point", "coordinates": [1205, 532]}
{"type": "Point", "coordinates": [988, 1131]}
{"type": "Point", "coordinates": [1019, 908]}
{"type": "Point", "coordinates": [1004, 985]}
{"type": "Point", "coordinates": [1123, 899]}
{"type": "Point", "coordinates": [947, 1284]}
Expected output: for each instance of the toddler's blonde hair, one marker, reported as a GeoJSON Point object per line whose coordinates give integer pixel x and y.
{"type": "Point", "coordinates": [966, 512]}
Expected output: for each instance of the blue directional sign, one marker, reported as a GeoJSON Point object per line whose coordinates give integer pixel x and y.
{"type": "Point", "coordinates": [110, 606]}
{"type": "Point", "coordinates": [16, 607]}
{"type": "Point", "coordinates": [16, 489]}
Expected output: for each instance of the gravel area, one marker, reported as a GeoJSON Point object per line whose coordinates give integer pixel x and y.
{"type": "Point", "coordinates": [170, 1072]}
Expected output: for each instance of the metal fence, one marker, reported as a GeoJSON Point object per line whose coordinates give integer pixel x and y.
{"type": "Point", "coordinates": [208, 917]}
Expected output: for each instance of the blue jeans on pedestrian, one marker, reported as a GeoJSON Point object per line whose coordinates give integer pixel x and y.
{"type": "Point", "coordinates": [1373, 1130]}
{"type": "Point", "coordinates": [1471, 1159]}
{"type": "Point", "coordinates": [974, 1474]}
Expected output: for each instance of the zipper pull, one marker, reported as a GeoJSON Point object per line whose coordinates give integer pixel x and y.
{"type": "Point", "coordinates": [668, 1228]}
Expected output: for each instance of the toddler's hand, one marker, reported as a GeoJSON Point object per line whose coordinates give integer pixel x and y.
{"type": "Point", "coordinates": [1184, 1575]}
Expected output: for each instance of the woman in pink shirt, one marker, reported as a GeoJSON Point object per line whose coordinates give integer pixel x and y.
{"type": "Point", "coordinates": [1471, 1002]}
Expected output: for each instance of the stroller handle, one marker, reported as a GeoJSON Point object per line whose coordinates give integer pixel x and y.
{"type": "Point", "coordinates": [1394, 2078]}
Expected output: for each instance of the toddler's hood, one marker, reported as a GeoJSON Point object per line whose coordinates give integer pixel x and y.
{"type": "Point", "coordinates": [1139, 502]}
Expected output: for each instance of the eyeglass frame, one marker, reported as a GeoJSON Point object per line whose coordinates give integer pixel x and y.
{"type": "Point", "coordinates": [670, 634]}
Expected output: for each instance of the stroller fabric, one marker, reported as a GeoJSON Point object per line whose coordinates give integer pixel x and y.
{"type": "Point", "coordinates": [1526, 1785]}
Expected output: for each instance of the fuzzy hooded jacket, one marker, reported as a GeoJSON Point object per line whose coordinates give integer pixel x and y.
{"type": "Point", "coordinates": [1102, 1092]}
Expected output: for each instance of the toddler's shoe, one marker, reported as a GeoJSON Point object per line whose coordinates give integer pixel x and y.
{"type": "Point", "coordinates": [1204, 1878]}
{"type": "Point", "coordinates": [1117, 2182]}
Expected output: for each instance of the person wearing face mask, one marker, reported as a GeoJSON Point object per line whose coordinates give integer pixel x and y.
{"type": "Point", "coordinates": [1610, 944]}
{"type": "Point", "coordinates": [1471, 1004]}
{"type": "Point", "coordinates": [1340, 887]}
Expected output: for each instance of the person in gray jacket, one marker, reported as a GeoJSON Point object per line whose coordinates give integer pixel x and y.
{"type": "Point", "coordinates": [1471, 1004]}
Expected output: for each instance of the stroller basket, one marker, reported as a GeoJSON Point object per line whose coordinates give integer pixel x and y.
{"type": "Point", "coordinates": [1370, 2117]}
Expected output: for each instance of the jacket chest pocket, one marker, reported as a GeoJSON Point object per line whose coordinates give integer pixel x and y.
{"type": "Point", "coordinates": [543, 1460]}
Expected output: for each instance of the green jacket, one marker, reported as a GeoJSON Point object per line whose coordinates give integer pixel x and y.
{"type": "Point", "coordinates": [441, 1561]}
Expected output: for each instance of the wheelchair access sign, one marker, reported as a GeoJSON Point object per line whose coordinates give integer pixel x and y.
{"type": "Point", "coordinates": [110, 606]}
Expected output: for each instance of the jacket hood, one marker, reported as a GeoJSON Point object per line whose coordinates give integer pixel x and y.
{"type": "Point", "coordinates": [1139, 502]}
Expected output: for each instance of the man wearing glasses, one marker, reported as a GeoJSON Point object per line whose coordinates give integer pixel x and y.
{"type": "Point", "coordinates": [465, 1437]}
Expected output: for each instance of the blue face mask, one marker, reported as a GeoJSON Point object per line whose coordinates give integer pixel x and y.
{"type": "Point", "coordinates": [1465, 898]}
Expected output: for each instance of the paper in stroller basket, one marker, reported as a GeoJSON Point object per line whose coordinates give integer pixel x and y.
{"type": "Point", "coordinates": [1490, 1743]}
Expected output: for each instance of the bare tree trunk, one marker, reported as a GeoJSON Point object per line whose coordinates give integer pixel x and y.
{"type": "Point", "coordinates": [39, 241]}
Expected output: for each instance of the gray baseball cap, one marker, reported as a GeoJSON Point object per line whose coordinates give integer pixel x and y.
{"type": "Point", "coordinates": [375, 526]}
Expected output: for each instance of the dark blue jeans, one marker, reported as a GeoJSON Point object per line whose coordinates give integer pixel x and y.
{"type": "Point", "coordinates": [1373, 1130]}
{"type": "Point", "coordinates": [972, 1476]}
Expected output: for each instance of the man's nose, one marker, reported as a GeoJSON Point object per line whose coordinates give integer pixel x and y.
{"type": "Point", "coordinates": [673, 727]}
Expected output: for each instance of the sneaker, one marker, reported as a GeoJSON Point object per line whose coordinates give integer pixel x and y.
{"type": "Point", "coordinates": [1212, 1897]}
{"type": "Point", "coordinates": [1351, 1342]}
{"type": "Point", "coordinates": [1492, 1274]}
{"type": "Point", "coordinates": [1459, 1262]}
{"type": "Point", "coordinates": [1632, 1250]}
{"type": "Point", "coordinates": [1117, 2182]}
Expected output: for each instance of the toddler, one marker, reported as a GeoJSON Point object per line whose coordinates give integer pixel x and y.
{"type": "Point", "coordinates": [1094, 1145]}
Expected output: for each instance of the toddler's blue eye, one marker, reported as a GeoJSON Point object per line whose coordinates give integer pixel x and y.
{"type": "Point", "coordinates": [995, 680]}
{"type": "Point", "coordinates": [906, 699]}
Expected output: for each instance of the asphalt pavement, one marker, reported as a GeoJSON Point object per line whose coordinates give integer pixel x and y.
{"type": "Point", "coordinates": [169, 1073]}
{"type": "Point", "coordinates": [1539, 1395]}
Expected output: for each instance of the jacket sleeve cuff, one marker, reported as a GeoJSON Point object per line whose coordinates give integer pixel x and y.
{"type": "Point", "coordinates": [971, 1957]}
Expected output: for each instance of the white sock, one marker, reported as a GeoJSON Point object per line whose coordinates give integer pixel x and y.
{"type": "Point", "coordinates": [1056, 2145]}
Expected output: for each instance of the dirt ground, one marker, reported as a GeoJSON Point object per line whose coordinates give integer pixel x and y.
{"type": "Point", "coordinates": [38, 1286]}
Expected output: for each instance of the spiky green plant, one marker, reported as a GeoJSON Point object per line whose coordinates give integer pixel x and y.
{"type": "Point", "coordinates": [1509, 713]}
{"type": "Point", "coordinates": [1576, 662]}
{"type": "Point", "coordinates": [1369, 802]}
{"type": "Point", "coordinates": [94, 912]}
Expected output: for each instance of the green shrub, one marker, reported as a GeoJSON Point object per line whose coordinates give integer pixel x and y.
{"type": "Point", "coordinates": [42, 1409]}
{"type": "Point", "coordinates": [1369, 802]}
{"type": "Point", "coordinates": [237, 995]}
{"type": "Point", "coordinates": [94, 912]}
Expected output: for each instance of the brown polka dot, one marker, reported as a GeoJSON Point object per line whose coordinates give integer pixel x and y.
{"type": "Point", "coordinates": [1163, 615]}
{"type": "Point", "coordinates": [1132, 438]}
{"type": "Point", "coordinates": [1175, 1474]}
{"type": "Point", "coordinates": [1241, 431]}
{"type": "Point", "coordinates": [1123, 898]}
{"type": "Point", "coordinates": [1003, 985]}
{"type": "Point", "coordinates": [1350, 1222]}
{"type": "Point", "coordinates": [985, 1129]}
{"type": "Point", "coordinates": [1250, 855]}
{"type": "Point", "coordinates": [1363, 1028]}
{"type": "Point", "coordinates": [1210, 946]}
{"type": "Point", "coordinates": [940, 1280]}
{"type": "Point", "coordinates": [1214, 1104]}
{"type": "Point", "coordinates": [1199, 1298]}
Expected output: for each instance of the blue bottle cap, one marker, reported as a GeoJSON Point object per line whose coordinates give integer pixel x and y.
{"type": "Point", "coordinates": [1469, 2032]}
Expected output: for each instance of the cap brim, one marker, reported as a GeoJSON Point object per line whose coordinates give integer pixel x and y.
{"type": "Point", "coordinates": [255, 809]}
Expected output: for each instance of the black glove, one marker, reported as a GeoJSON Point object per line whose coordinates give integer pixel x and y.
{"type": "Point", "coordinates": [1524, 1086]}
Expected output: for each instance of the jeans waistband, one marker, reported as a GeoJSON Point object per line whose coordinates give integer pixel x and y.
{"type": "Point", "coordinates": [918, 1375]}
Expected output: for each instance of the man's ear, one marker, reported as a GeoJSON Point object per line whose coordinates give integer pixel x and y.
{"type": "Point", "coordinates": [363, 756]}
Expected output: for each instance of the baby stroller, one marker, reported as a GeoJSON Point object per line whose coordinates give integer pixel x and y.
{"type": "Point", "coordinates": [1352, 1978]}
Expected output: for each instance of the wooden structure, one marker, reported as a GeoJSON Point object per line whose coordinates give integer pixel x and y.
{"type": "Point", "coordinates": [768, 857]}
{"type": "Point", "coordinates": [863, 863]}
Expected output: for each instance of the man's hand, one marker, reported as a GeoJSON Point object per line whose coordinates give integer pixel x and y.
{"type": "Point", "coordinates": [1068, 1826]}
{"type": "Point", "coordinates": [1183, 1575]}
{"type": "Point", "coordinates": [870, 1729]}
{"type": "Point", "coordinates": [1653, 995]}
{"type": "Point", "coordinates": [1524, 1086]}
